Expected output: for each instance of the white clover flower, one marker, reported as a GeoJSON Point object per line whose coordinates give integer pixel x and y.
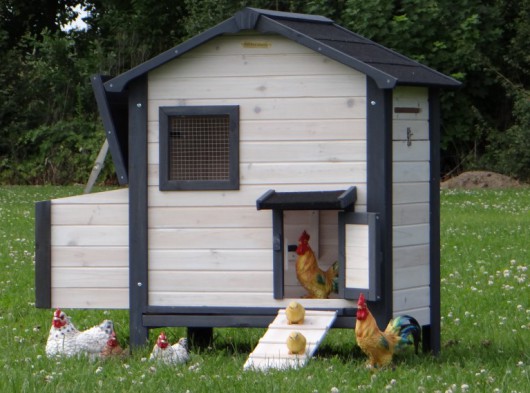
{"type": "Point", "coordinates": [464, 387]}
{"type": "Point", "coordinates": [334, 390]}
{"type": "Point", "coordinates": [99, 370]}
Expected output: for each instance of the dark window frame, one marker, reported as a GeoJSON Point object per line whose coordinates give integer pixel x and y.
{"type": "Point", "coordinates": [165, 113]}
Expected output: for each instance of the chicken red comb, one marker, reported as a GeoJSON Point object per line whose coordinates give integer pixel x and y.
{"type": "Point", "coordinates": [362, 301]}
{"type": "Point", "coordinates": [57, 313]}
{"type": "Point", "coordinates": [304, 237]}
{"type": "Point", "coordinates": [162, 336]}
{"type": "Point", "coordinates": [112, 341]}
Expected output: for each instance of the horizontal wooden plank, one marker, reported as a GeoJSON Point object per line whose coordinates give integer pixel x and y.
{"type": "Point", "coordinates": [411, 277]}
{"type": "Point", "coordinates": [422, 314]}
{"type": "Point", "coordinates": [291, 173]}
{"type": "Point", "coordinates": [403, 151]}
{"type": "Point", "coordinates": [211, 260]}
{"type": "Point", "coordinates": [102, 298]}
{"type": "Point", "coordinates": [78, 277]}
{"type": "Point", "coordinates": [246, 195]}
{"type": "Point", "coordinates": [278, 108]}
{"type": "Point", "coordinates": [419, 129]}
{"type": "Point", "coordinates": [94, 235]}
{"type": "Point", "coordinates": [410, 214]}
{"type": "Point", "coordinates": [249, 65]}
{"type": "Point", "coordinates": [412, 298]}
{"type": "Point", "coordinates": [210, 281]}
{"type": "Point", "coordinates": [411, 97]}
{"type": "Point", "coordinates": [409, 235]}
{"type": "Point", "coordinates": [106, 197]}
{"type": "Point", "coordinates": [300, 151]}
{"type": "Point", "coordinates": [234, 299]}
{"type": "Point", "coordinates": [290, 130]}
{"type": "Point", "coordinates": [210, 238]}
{"type": "Point", "coordinates": [411, 255]}
{"type": "Point", "coordinates": [406, 172]}
{"type": "Point", "coordinates": [417, 192]}
{"type": "Point", "coordinates": [257, 86]}
{"type": "Point", "coordinates": [233, 45]}
{"type": "Point", "coordinates": [290, 151]}
{"type": "Point", "coordinates": [90, 214]}
{"type": "Point", "coordinates": [205, 217]}
{"type": "Point", "coordinates": [357, 278]}
{"type": "Point", "coordinates": [67, 256]}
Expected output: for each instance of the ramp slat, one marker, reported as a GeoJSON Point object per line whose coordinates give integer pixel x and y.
{"type": "Point", "coordinates": [272, 352]}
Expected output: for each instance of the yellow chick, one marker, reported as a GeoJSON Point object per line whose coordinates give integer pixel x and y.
{"type": "Point", "coordinates": [295, 313]}
{"type": "Point", "coordinates": [296, 343]}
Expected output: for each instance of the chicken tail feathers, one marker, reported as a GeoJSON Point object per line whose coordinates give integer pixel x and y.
{"type": "Point", "coordinates": [408, 329]}
{"type": "Point", "coordinates": [333, 275]}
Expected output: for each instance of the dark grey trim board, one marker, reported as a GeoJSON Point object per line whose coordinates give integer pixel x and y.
{"type": "Point", "coordinates": [111, 132]}
{"type": "Point", "coordinates": [227, 320]}
{"type": "Point", "coordinates": [43, 270]}
{"type": "Point", "coordinates": [379, 186]}
{"type": "Point", "coordinates": [277, 254]}
{"type": "Point", "coordinates": [138, 246]}
{"type": "Point", "coordinates": [226, 310]}
{"type": "Point", "coordinates": [434, 235]}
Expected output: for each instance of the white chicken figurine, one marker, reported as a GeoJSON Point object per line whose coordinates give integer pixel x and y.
{"type": "Point", "coordinates": [65, 340]}
{"type": "Point", "coordinates": [170, 354]}
{"type": "Point", "coordinates": [61, 340]}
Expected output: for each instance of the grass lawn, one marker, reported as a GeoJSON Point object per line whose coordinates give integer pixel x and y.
{"type": "Point", "coordinates": [485, 240]}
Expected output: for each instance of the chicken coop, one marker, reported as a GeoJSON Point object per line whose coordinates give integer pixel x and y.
{"type": "Point", "coordinates": [230, 145]}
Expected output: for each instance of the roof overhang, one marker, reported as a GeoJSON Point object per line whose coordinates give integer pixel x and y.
{"type": "Point", "coordinates": [267, 22]}
{"type": "Point", "coordinates": [308, 200]}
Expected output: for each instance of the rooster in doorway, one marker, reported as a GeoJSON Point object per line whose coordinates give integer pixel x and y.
{"type": "Point", "coordinates": [318, 283]}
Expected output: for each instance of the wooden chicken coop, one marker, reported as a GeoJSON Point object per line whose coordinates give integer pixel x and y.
{"type": "Point", "coordinates": [230, 145]}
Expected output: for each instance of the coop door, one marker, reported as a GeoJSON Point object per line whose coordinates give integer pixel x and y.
{"type": "Point", "coordinates": [359, 255]}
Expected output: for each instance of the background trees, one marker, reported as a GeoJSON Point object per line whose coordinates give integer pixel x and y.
{"type": "Point", "coordinates": [49, 126]}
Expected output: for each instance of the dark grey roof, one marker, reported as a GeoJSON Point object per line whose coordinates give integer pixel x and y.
{"type": "Point", "coordinates": [319, 33]}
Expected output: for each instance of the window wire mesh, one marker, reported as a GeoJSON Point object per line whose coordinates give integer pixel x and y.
{"type": "Point", "coordinates": [199, 147]}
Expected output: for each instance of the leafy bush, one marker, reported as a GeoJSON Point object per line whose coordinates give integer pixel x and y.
{"type": "Point", "coordinates": [508, 152]}
{"type": "Point", "coordinates": [62, 153]}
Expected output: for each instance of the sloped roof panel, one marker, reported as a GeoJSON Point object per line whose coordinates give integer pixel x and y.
{"type": "Point", "coordinates": [319, 33]}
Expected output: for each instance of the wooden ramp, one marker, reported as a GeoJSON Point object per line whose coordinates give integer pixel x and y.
{"type": "Point", "coordinates": [272, 352]}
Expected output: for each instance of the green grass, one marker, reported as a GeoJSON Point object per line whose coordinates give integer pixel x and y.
{"type": "Point", "coordinates": [485, 326]}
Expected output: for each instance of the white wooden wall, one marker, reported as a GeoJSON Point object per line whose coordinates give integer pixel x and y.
{"type": "Point", "coordinates": [90, 250]}
{"type": "Point", "coordinates": [302, 128]}
{"type": "Point", "coordinates": [411, 172]}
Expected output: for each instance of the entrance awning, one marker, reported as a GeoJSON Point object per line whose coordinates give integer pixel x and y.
{"type": "Point", "coordinates": [308, 200]}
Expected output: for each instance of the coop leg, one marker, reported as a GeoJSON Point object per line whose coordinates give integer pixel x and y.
{"type": "Point", "coordinates": [430, 343]}
{"type": "Point", "coordinates": [200, 337]}
{"type": "Point", "coordinates": [139, 334]}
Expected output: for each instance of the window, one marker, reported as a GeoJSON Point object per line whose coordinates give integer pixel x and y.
{"type": "Point", "coordinates": [199, 148]}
